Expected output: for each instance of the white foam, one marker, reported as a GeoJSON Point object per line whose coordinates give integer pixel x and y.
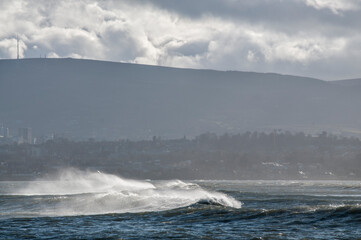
{"type": "Point", "coordinates": [74, 192]}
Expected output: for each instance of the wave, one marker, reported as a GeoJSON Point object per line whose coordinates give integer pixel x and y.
{"type": "Point", "coordinates": [75, 192]}
{"type": "Point", "coordinates": [318, 212]}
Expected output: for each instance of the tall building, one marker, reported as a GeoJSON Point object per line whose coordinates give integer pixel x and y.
{"type": "Point", "coordinates": [25, 135]}
{"type": "Point", "coordinates": [2, 130]}
{"type": "Point", "coordinates": [6, 132]}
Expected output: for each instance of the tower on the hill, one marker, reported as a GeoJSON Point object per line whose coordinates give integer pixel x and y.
{"type": "Point", "coordinates": [17, 46]}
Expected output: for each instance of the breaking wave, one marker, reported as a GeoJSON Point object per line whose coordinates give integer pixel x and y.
{"type": "Point", "coordinates": [75, 192]}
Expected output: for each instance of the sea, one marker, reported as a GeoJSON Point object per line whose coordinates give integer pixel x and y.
{"type": "Point", "coordinates": [77, 204]}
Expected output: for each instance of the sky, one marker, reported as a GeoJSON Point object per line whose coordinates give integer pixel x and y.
{"type": "Point", "coordinates": [315, 38]}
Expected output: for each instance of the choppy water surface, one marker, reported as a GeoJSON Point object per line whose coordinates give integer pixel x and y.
{"type": "Point", "coordinates": [95, 205]}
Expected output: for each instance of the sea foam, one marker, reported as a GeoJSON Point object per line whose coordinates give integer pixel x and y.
{"type": "Point", "coordinates": [75, 192]}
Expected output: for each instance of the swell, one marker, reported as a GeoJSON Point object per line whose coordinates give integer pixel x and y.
{"type": "Point", "coordinates": [304, 214]}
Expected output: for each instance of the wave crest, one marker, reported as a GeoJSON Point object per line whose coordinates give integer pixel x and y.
{"type": "Point", "coordinates": [74, 192]}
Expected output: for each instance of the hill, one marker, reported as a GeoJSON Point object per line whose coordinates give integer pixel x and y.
{"type": "Point", "coordinates": [108, 100]}
{"type": "Point", "coordinates": [349, 82]}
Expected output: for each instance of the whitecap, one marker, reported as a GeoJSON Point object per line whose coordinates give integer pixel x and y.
{"type": "Point", "coordinates": [100, 193]}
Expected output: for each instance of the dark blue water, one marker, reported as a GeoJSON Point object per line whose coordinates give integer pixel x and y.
{"type": "Point", "coordinates": [90, 206]}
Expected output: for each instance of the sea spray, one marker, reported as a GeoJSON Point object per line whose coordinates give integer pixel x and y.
{"type": "Point", "coordinates": [271, 210]}
{"type": "Point", "coordinates": [75, 192]}
{"type": "Point", "coordinates": [73, 181]}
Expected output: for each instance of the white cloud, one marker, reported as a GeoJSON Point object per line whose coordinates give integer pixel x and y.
{"type": "Point", "coordinates": [53, 55]}
{"type": "Point", "coordinates": [336, 6]}
{"type": "Point", "coordinates": [8, 48]}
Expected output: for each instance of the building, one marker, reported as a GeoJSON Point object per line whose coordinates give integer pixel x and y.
{"type": "Point", "coordinates": [25, 135]}
{"type": "Point", "coordinates": [4, 131]}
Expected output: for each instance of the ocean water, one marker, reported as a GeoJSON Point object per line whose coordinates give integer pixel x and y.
{"type": "Point", "coordinates": [89, 205]}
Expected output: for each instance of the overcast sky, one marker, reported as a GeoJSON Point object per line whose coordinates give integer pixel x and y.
{"type": "Point", "coordinates": [316, 38]}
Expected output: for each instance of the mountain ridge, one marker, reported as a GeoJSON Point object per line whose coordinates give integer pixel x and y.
{"type": "Point", "coordinates": [349, 82]}
{"type": "Point", "coordinates": [108, 100]}
{"type": "Point", "coordinates": [158, 66]}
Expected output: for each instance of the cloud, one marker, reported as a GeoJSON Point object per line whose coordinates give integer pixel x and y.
{"type": "Point", "coordinates": [335, 6]}
{"type": "Point", "coordinates": [299, 37]}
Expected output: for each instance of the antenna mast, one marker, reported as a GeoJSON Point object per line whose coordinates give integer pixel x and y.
{"type": "Point", "coordinates": [17, 46]}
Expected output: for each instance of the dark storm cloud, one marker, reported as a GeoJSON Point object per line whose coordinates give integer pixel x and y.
{"type": "Point", "coordinates": [287, 15]}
